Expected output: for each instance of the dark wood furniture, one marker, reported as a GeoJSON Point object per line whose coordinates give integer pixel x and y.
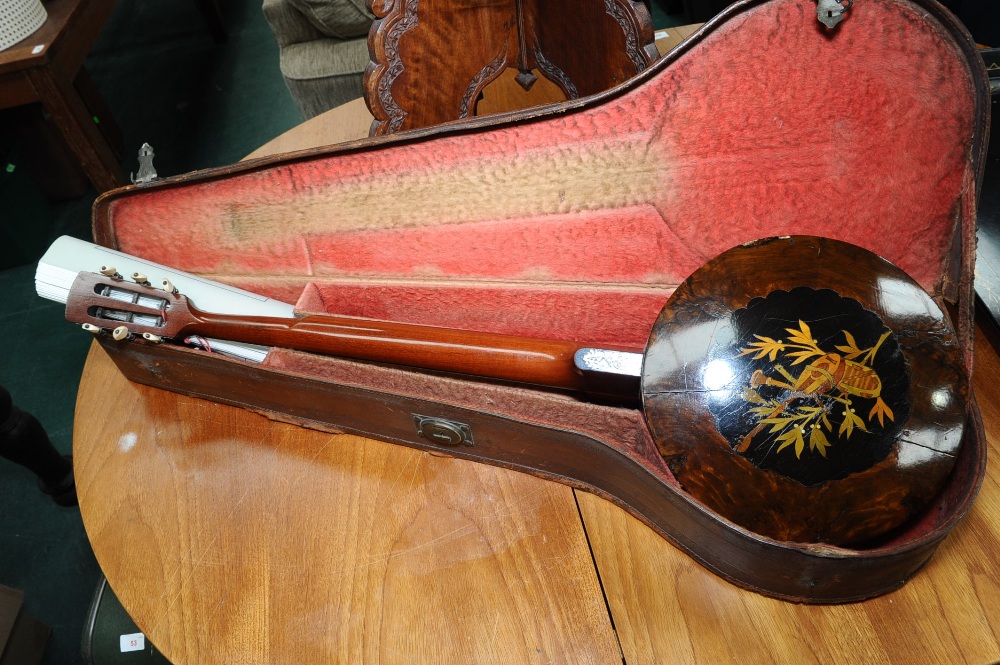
{"type": "Point", "coordinates": [47, 67]}
{"type": "Point", "coordinates": [582, 47]}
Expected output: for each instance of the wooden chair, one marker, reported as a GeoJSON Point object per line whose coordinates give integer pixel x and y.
{"type": "Point", "coordinates": [432, 63]}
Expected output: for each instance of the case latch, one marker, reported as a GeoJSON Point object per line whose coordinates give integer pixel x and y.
{"type": "Point", "coordinates": [443, 432]}
{"type": "Point", "coordinates": [831, 12]}
{"type": "Point", "coordinates": [146, 171]}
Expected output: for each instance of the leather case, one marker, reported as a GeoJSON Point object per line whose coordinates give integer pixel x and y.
{"type": "Point", "coordinates": [576, 221]}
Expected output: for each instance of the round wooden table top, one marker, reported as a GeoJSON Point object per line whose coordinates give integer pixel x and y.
{"type": "Point", "coordinates": [230, 538]}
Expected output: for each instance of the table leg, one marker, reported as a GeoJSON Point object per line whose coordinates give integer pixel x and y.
{"type": "Point", "coordinates": [76, 124]}
{"type": "Point", "coordinates": [92, 99]}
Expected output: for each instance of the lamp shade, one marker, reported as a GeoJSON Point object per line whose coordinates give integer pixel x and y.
{"type": "Point", "coordinates": [18, 19]}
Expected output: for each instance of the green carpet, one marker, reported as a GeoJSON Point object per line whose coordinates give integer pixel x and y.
{"type": "Point", "coordinates": [199, 104]}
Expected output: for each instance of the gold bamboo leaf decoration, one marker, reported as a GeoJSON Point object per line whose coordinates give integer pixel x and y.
{"type": "Point", "coordinates": [821, 398]}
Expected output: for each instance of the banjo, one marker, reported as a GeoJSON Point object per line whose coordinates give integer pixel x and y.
{"type": "Point", "coordinates": [803, 388]}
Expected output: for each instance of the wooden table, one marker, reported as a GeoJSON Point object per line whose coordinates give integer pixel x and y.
{"type": "Point", "coordinates": [47, 67]}
{"type": "Point", "coordinates": [233, 539]}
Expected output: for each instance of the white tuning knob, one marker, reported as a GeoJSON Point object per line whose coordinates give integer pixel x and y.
{"type": "Point", "coordinates": [150, 337]}
{"type": "Point", "coordinates": [109, 271]}
{"type": "Point", "coordinates": [140, 278]}
{"type": "Point", "coordinates": [91, 328]}
{"type": "Point", "coordinates": [168, 286]}
{"type": "Point", "coordinates": [120, 333]}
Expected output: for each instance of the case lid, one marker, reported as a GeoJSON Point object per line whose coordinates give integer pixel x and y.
{"type": "Point", "coordinates": [579, 219]}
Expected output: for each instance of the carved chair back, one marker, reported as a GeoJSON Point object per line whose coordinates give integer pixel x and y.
{"type": "Point", "coordinates": [432, 61]}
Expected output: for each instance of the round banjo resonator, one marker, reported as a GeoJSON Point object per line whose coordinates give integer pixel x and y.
{"type": "Point", "coordinates": [807, 390]}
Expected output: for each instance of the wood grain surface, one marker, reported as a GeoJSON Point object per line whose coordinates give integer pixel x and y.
{"type": "Point", "coordinates": [344, 123]}
{"type": "Point", "coordinates": [233, 539]}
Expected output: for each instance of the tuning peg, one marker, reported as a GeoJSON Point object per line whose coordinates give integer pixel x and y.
{"type": "Point", "coordinates": [109, 271]}
{"type": "Point", "coordinates": [168, 286]}
{"type": "Point", "coordinates": [140, 278]}
{"type": "Point", "coordinates": [150, 337]}
{"type": "Point", "coordinates": [120, 333]}
{"type": "Point", "coordinates": [91, 328]}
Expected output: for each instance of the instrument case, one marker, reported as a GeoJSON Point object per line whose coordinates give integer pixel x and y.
{"type": "Point", "coordinates": [576, 221]}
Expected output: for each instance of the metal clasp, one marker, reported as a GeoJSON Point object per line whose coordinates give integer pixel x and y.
{"type": "Point", "coordinates": [146, 171]}
{"type": "Point", "coordinates": [831, 12]}
{"type": "Point", "coordinates": [442, 431]}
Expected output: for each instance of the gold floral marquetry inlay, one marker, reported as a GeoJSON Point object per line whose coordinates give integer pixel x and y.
{"type": "Point", "coordinates": [820, 398]}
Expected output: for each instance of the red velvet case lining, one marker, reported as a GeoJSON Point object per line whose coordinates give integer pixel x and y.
{"type": "Point", "coordinates": [770, 126]}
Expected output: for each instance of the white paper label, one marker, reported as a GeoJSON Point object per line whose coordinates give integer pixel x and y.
{"type": "Point", "coordinates": [133, 642]}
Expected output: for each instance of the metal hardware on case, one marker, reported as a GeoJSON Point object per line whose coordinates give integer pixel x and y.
{"type": "Point", "coordinates": [444, 432]}
{"type": "Point", "coordinates": [146, 171]}
{"type": "Point", "coordinates": [607, 361]}
{"type": "Point", "coordinates": [831, 12]}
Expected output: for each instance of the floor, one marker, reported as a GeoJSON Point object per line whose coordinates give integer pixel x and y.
{"type": "Point", "coordinates": [199, 104]}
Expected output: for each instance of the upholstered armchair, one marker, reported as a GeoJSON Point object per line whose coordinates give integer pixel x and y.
{"type": "Point", "coordinates": [324, 50]}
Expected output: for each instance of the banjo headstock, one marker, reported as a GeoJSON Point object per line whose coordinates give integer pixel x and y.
{"type": "Point", "coordinates": [107, 302]}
